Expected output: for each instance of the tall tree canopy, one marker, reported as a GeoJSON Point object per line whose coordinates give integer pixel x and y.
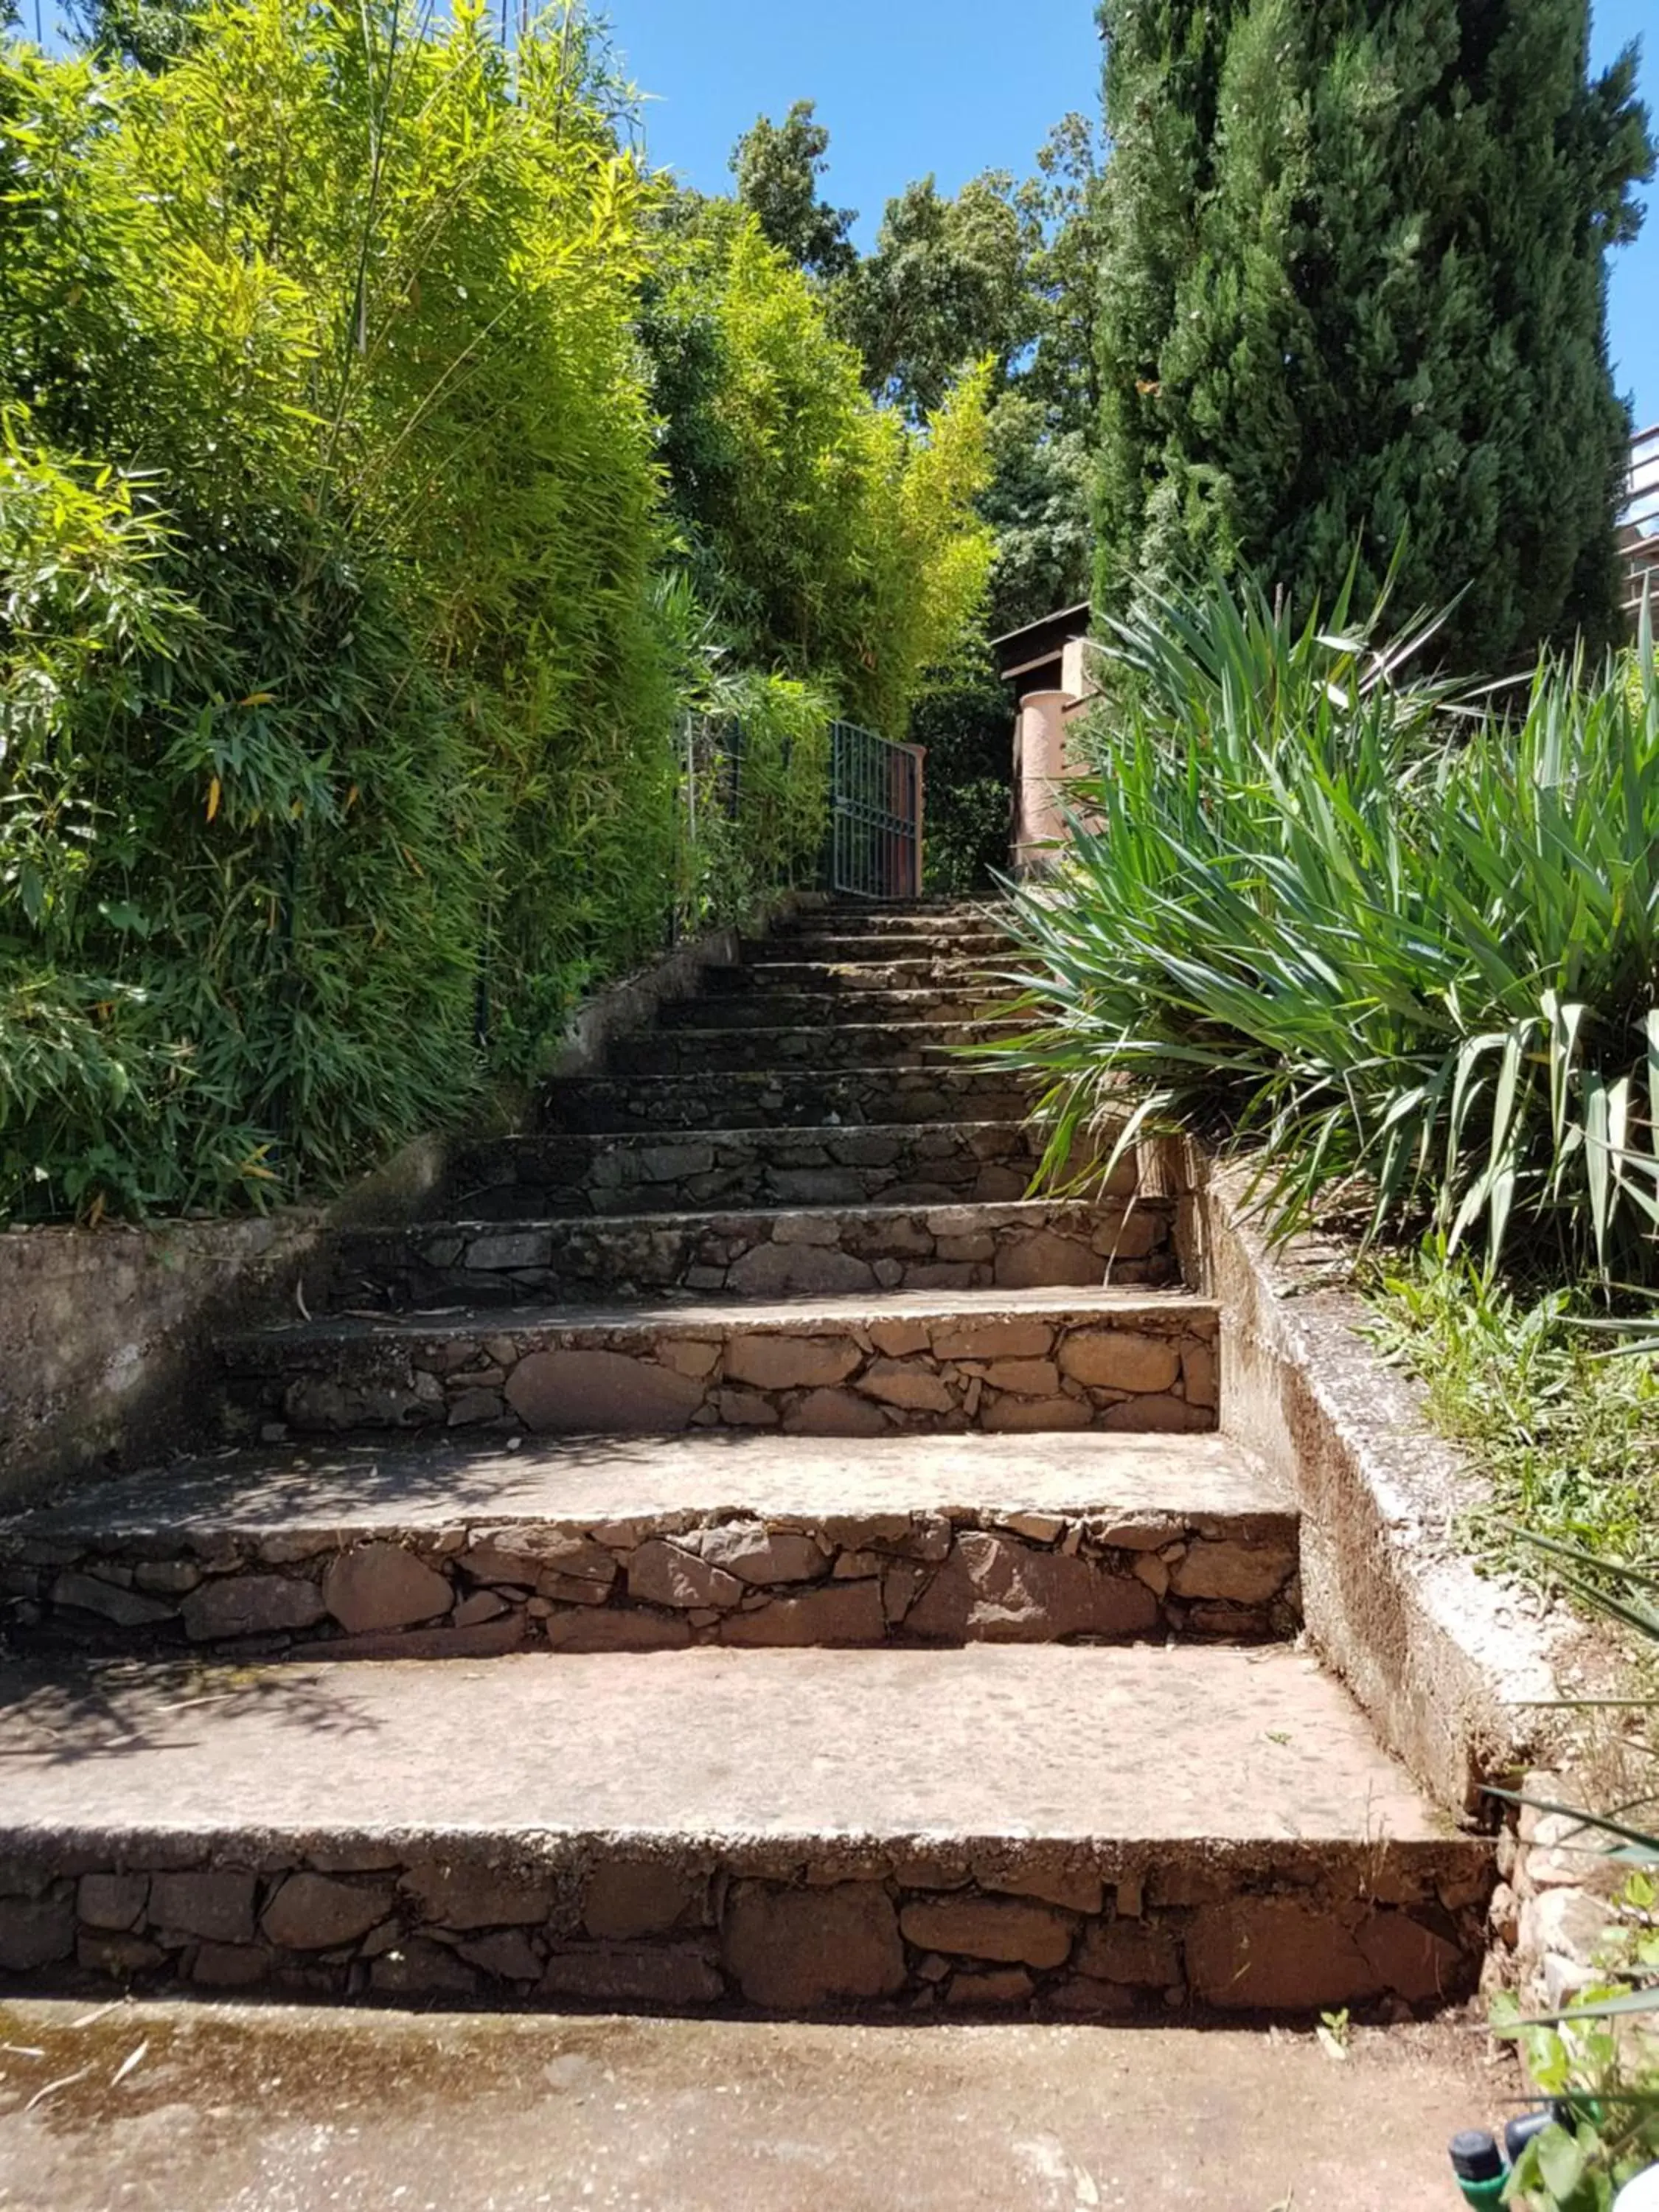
{"type": "Point", "coordinates": [1004, 274]}
{"type": "Point", "coordinates": [777, 167]}
{"type": "Point", "coordinates": [947, 285]}
{"type": "Point", "coordinates": [1354, 289]}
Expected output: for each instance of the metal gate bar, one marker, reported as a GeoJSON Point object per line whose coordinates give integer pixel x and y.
{"type": "Point", "coordinates": [876, 814]}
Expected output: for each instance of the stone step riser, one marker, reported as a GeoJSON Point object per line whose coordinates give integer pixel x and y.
{"type": "Point", "coordinates": [537, 1178]}
{"type": "Point", "coordinates": [850, 980]}
{"type": "Point", "coordinates": [789, 1010]}
{"type": "Point", "coordinates": [980, 949]}
{"type": "Point", "coordinates": [756, 1255]}
{"type": "Point", "coordinates": [663, 1581]}
{"type": "Point", "coordinates": [1147, 1366]}
{"type": "Point", "coordinates": [792, 1097]}
{"type": "Point", "coordinates": [1097, 1933]}
{"type": "Point", "coordinates": [941, 922]}
{"type": "Point", "coordinates": [706, 1052]}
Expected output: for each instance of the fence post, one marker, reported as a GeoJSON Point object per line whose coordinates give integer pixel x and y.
{"type": "Point", "coordinates": [919, 754]}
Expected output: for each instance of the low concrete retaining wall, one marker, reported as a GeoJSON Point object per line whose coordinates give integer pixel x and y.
{"type": "Point", "coordinates": [1455, 1677]}
{"type": "Point", "coordinates": [1443, 1661]}
{"type": "Point", "coordinates": [106, 1334]}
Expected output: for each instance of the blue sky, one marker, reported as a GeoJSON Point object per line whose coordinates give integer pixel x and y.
{"type": "Point", "coordinates": [958, 85]}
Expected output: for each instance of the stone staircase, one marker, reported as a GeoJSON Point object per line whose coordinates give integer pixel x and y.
{"type": "Point", "coordinates": [850, 1595]}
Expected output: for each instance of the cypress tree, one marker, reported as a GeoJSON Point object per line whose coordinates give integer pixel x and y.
{"type": "Point", "coordinates": [1355, 293]}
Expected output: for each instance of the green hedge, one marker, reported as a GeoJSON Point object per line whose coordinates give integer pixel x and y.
{"type": "Point", "coordinates": [346, 634]}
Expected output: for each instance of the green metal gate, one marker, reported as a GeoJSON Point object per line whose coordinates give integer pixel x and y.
{"type": "Point", "coordinates": [876, 814]}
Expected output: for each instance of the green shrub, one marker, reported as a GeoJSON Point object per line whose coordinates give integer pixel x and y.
{"type": "Point", "coordinates": [348, 310]}
{"type": "Point", "coordinates": [346, 641]}
{"type": "Point", "coordinates": [964, 721]}
{"type": "Point", "coordinates": [1375, 939]}
{"type": "Point", "coordinates": [755, 784]}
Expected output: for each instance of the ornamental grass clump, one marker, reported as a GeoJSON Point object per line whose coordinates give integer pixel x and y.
{"type": "Point", "coordinates": [1391, 938]}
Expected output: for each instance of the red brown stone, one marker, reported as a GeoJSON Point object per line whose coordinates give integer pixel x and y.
{"type": "Point", "coordinates": [988, 1928]}
{"type": "Point", "coordinates": [795, 1950]}
{"type": "Point", "coordinates": [668, 1974]}
{"type": "Point", "coordinates": [315, 1912]}
{"type": "Point", "coordinates": [629, 1898]}
{"type": "Point", "coordinates": [1276, 1954]}
{"type": "Point", "coordinates": [996, 1590]}
{"type": "Point", "coordinates": [579, 1393]}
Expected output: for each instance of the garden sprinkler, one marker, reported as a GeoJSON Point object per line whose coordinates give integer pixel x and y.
{"type": "Point", "coordinates": [1479, 2166]}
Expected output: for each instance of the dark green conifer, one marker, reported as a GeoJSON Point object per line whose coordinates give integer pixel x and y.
{"type": "Point", "coordinates": [1355, 291]}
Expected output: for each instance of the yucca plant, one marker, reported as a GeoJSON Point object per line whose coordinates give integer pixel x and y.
{"type": "Point", "coordinates": [1387, 934]}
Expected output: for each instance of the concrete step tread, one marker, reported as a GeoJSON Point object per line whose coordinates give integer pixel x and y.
{"type": "Point", "coordinates": [862, 1363]}
{"type": "Point", "coordinates": [861, 946]}
{"type": "Point", "coordinates": [866, 1096]}
{"type": "Point", "coordinates": [857, 995]}
{"type": "Point", "coordinates": [834, 1020]}
{"type": "Point", "coordinates": [847, 977]}
{"type": "Point", "coordinates": [761, 1252]}
{"type": "Point", "coordinates": [1125, 1309]}
{"type": "Point", "coordinates": [956, 1217]}
{"type": "Point", "coordinates": [678, 2116]}
{"type": "Point", "coordinates": [761, 1759]}
{"type": "Point", "coordinates": [782, 1134]}
{"type": "Point", "coordinates": [930, 1007]}
{"type": "Point", "coordinates": [562, 1176]}
{"type": "Point", "coordinates": [352, 1493]}
{"type": "Point", "coordinates": [934, 1036]}
{"type": "Point", "coordinates": [898, 914]}
{"type": "Point", "coordinates": [863, 920]}
{"type": "Point", "coordinates": [839, 1007]}
{"type": "Point", "coordinates": [629, 1545]}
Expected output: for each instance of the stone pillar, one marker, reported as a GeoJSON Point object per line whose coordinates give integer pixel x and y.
{"type": "Point", "coordinates": [1040, 776]}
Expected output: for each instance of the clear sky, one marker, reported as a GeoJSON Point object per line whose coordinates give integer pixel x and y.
{"type": "Point", "coordinates": [958, 85]}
